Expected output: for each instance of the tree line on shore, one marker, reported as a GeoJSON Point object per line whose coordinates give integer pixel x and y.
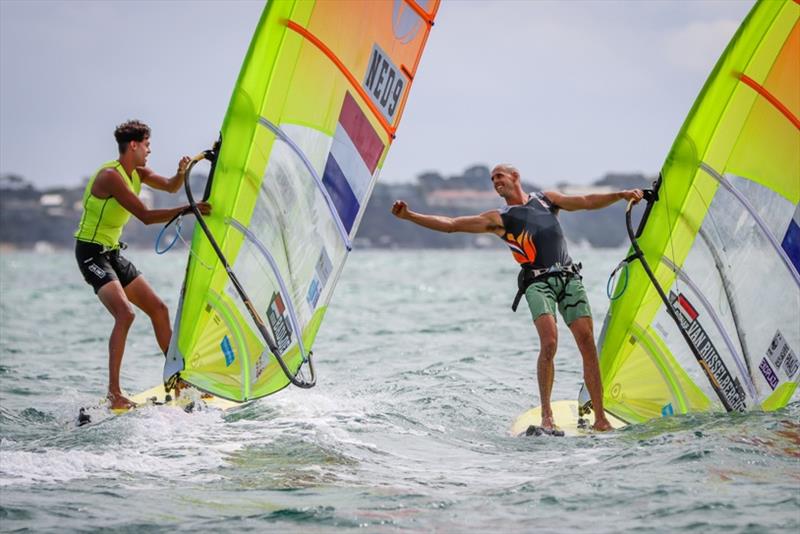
{"type": "Point", "coordinates": [29, 216]}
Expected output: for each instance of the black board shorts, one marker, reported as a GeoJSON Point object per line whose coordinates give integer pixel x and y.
{"type": "Point", "coordinates": [99, 268]}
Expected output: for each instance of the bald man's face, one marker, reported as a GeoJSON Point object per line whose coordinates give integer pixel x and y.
{"type": "Point", "coordinates": [503, 180]}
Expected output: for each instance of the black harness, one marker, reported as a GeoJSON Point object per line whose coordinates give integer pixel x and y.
{"type": "Point", "coordinates": [528, 275]}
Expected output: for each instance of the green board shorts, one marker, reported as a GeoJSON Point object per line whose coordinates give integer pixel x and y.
{"type": "Point", "coordinates": [565, 291]}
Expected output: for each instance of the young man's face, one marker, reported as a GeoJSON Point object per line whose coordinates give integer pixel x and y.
{"type": "Point", "coordinates": [141, 149]}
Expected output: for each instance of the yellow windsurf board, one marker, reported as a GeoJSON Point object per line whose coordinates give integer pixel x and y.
{"type": "Point", "coordinates": [565, 416]}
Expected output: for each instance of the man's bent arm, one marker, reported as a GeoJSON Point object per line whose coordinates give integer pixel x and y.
{"type": "Point", "coordinates": [487, 222]}
{"type": "Point", "coordinates": [109, 183]}
{"type": "Point", "coordinates": [162, 183]}
{"type": "Point", "coordinates": [592, 201]}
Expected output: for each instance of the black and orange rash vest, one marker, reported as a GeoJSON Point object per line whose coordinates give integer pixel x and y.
{"type": "Point", "coordinates": [533, 233]}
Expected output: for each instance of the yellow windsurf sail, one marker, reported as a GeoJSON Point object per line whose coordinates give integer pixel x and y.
{"type": "Point", "coordinates": [315, 109]}
{"type": "Point", "coordinates": [709, 316]}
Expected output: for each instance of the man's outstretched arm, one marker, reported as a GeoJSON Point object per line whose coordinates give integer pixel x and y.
{"type": "Point", "coordinates": [592, 201]}
{"type": "Point", "coordinates": [487, 222]}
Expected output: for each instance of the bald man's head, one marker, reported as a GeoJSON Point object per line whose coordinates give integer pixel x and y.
{"type": "Point", "coordinates": [505, 168]}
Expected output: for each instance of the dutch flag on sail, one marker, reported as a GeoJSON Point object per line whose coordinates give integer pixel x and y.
{"type": "Point", "coordinates": [352, 161]}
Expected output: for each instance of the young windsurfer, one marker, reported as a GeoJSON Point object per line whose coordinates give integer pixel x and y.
{"type": "Point", "coordinates": [549, 278]}
{"type": "Point", "coordinates": [109, 200]}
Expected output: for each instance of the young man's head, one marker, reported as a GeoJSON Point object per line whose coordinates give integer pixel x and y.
{"type": "Point", "coordinates": [135, 136]}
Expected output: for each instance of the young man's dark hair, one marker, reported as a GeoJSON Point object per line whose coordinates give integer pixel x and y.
{"type": "Point", "coordinates": [128, 131]}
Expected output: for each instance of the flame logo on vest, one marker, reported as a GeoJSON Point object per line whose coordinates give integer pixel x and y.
{"type": "Point", "coordinates": [521, 246]}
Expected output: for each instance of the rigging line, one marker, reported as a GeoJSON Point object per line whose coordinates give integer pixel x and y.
{"type": "Point", "coordinates": [756, 217]}
{"type": "Point", "coordinates": [744, 371]}
{"type": "Point", "coordinates": [274, 128]}
{"type": "Point", "coordinates": [313, 39]}
{"type": "Point", "coordinates": [672, 313]}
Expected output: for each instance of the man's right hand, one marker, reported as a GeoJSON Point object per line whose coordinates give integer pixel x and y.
{"type": "Point", "coordinates": [204, 207]}
{"type": "Point", "coordinates": [400, 209]}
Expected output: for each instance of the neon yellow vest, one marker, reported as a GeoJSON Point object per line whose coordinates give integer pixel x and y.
{"type": "Point", "coordinates": [104, 218]}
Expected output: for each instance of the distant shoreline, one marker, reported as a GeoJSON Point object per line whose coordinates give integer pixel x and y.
{"type": "Point", "coordinates": [46, 220]}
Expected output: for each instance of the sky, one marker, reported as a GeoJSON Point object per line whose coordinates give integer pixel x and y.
{"type": "Point", "coordinates": [566, 91]}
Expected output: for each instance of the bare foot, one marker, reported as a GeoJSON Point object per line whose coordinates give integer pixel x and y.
{"type": "Point", "coordinates": [602, 425]}
{"type": "Point", "coordinates": [181, 385]}
{"type": "Point", "coordinates": [547, 422]}
{"type": "Point", "coordinates": [119, 402]}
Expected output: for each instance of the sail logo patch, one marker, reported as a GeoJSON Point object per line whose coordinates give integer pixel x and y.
{"type": "Point", "coordinates": [227, 351]}
{"type": "Point", "coordinates": [780, 354]}
{"type": "Point", "coordinates": [384, 83]}
{"type": "Point", "coordinates": [314, 291]}
{"type": "Point", "coordinates": [322, 272]}
{"type": "Point", "coordinates": [769, 374]}
{"type": "Point", "coordinates": [279, 323]}
{"type": "Point", "coordinates": [729, 387]}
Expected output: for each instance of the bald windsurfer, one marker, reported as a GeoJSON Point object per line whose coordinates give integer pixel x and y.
{"type": "Point", "coordinates": [549, 279]}
{"type": "Point", "coordinates": [110, 198]}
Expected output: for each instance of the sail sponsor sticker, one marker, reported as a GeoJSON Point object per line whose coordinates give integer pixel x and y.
{"type": "Point", "coordinates": [314, 291]}
{"type": "Point", "coordinates": [782, 356]}
{"type": "Point", "coordinates": [322, 271]}
{"type": "Point", "coordinates": [775, 351]}
{"type": "Point", "coordinates": [790, 364]}
{"type": "Point", "coordinates": [729, 386]}
{"type": "Point", "coordinates": [384, 83]}
{"type": "Point", "coordinates": [227, 351]}
{"type": "Point", "coordinates": [277, 316]}
{"type": "Point", "coordinates": [324, 267]}
{"type": "Point", "coordinates": [769, 374]}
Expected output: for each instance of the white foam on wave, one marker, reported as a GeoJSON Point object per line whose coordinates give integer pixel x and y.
{"type": "Point", "coordinates": [52, 466]}
{"type": "Point", "coordinates": [340, 423]}
{"type": "Point", "coordinates": [158, 441]}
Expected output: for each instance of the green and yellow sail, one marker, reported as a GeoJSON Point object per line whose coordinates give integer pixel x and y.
{"type": "Point", "coordinates": [723, 241]}
{"type": "Point", "coordinates": [315, 109]}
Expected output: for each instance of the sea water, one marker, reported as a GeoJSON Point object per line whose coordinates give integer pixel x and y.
{"type": "Point", "coordinates": [422, 368]}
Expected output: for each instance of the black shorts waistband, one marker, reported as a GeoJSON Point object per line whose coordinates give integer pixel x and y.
{"type": "Point", "coordinates": [87, 249]}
